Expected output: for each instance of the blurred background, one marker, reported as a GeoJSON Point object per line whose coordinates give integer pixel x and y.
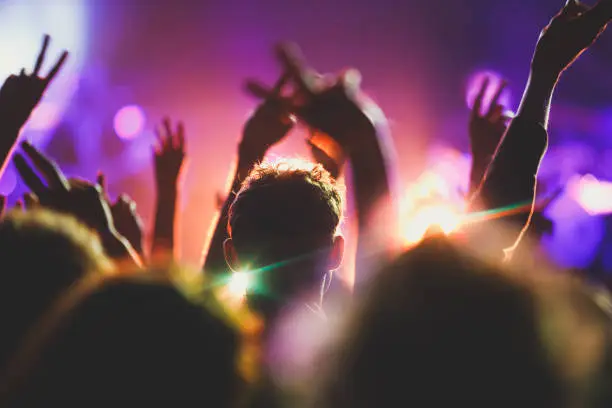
{"type": "Point", "coordinates": [134, 61]}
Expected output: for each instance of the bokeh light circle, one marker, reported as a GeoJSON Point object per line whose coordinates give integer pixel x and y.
{"type": "Point", "coordinates": [129, 121]}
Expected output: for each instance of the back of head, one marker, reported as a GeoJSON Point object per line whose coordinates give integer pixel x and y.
{"type": "Point", "coordinates": [439, 329]}
{"type": "Point", "coordinates": [137, 342]}
{"type": "Point", "coordinates": [284, 220]}
{"type": "Point", "coordinates": [43, 254]}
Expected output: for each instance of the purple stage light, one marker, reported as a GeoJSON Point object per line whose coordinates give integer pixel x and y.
{"type": "Point", "coordinates": [129, 122]}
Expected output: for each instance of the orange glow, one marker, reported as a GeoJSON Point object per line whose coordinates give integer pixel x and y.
{"type": "Point", "coordinates": [430, 202]}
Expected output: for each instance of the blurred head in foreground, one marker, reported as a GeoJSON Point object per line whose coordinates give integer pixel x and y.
{"type": "Point", "coordinates": [43, 254]}
{"type": "Point", "coordinates": [440, 328]}
{"type": "Point", "coordinates": [136, 341]}
{"type": "Point", "coordinates": [283, 228]}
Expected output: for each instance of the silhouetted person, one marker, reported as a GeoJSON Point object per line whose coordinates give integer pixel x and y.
{"type": "Point", "coordinates": [283, 228]}
{"type": "Point", "coordinates": [42, 255]}
{"type": "Point", "coordinates": [128, 342]}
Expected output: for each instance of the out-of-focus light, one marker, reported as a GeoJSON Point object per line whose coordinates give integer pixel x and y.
{"type": "Point", "coordinates": [8, 182]}
{"type": "Point", "coordinates": [238, 285]}
{"type": "Point", "coordinates": [129, 122]}
{"type": "Point", "coordinates": [593, 195]}
{"type": "Point", "coordinates": [22, 25]}
{"type": "Point", "coordinates": [444, 216]}
{"type": "Point", "coordinates": [430, 202]}
{"type": "Point", "coordinates": [45, 117]}
{"type": "Point", "coordinates": [474, 84]}
{"type": "Point", "coordinates": [576, 235]}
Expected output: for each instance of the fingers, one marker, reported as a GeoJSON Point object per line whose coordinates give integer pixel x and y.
{"type": "Point", "coordinates": [29, 176]}
{"type": "Point", "coordinates": [49, 170]}
{"type": "Point", "coordinates": [167, 127]}
{"type": "Point", "coordinates": [56, 68]}
{"type": "Point", "coordinates": [495, 102]}
{"type": "Point", "coordinates": [179, 139]}
{"type": "Point", "coordinates": [41, 55]}
{"type": "Point", "coordinates": [258, 90]}
{"type": "Point", "coordinates": [480, 97]}
{"type": "Point", "coordinates": [495, 113]}
{"type": "Point", "coordinates": [293, 62]}
{"type": "Point", "coordinates": [351, 79]}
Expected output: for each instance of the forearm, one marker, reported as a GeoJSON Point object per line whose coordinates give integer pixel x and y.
{"type": "Point", "coordinates": [165, 220]}
{"type": "Point", "coordinates": [214, 261]}
{"type": "Point", "coordinates": [507, 191]}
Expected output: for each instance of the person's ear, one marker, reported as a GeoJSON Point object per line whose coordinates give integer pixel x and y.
{"type": "Point", "coordinates": [231, 257]}
{"type": "Point", "coordinates": [336, 254]}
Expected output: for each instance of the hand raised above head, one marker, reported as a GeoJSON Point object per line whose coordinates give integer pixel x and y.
{"type": "Point", "coordinates": [334, 105]}
{"type": "Point", "coordinates": [82, 199]}
{"type": "Point", "coordinates": [21, 93]}
{"type": "Point", "coordinates": [568, 35]}
{"type": "Point", "coordinates": [169, 158]}
{"type": "Point", "coordinates": [487, 129]}
{"type": "Point", "coordinates": [269, 123]}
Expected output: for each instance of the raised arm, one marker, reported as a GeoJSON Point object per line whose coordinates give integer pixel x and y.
{"type": "Point", "coordinates": [269, 124]}
{"type": "Point", "coordinates": [510, 182]}
{"type": "Point", "coordinates": [19, 95]}
{"type": "Point", "coordinates": [169, 161]}
{"type": "Point", "coordinates": [81, 199]}
{"type": "Point", "coordinates": [350, 124]}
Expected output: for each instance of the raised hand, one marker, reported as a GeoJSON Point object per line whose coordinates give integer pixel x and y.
{"type": "Point", "coordinates": [485, 130]}
{"type": "Point", "coordinates": [126, 219]}
{"type": "Point", "coordinates": [21, 93]}
{"type": "Point", "coordinates": [335, 106]}
{"type": "Point", "coordinates": [81, 199]}
{"type": "Point", "coordinates": [569, 34]}
{"type": "Point", "coordinates": [327, 153]}
{"type": "Point", "coordinates": [169, 155]}
{"type": "Point", "coordinates": [52, 189]}
{"type": "Point", "coordinates": [268, 125]}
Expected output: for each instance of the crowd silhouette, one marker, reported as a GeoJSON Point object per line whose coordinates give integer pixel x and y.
{"type": "Point", "coordinates": [94, 314]}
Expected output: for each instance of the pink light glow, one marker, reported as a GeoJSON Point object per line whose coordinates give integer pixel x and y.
{"type": "Point", "coordinates": [593, 195]}
{"type": "Point", "coordinates": [46, 116]}
{"type": "Point", "coordinates": [129, 121]}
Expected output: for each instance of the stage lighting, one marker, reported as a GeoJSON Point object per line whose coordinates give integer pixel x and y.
{"type": "Point", "coordinates": [129, 122]}
{"type": "Point", "coordinates": [22, 26]}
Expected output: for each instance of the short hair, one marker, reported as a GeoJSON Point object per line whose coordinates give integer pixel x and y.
{"type": "Point", "coordinates": [43, 253]}
{"type": "Point", "coordinates": [283, 210]}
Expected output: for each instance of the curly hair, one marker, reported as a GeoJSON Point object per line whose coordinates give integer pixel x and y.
{"type": "Point", "coordinates": [285, 209]}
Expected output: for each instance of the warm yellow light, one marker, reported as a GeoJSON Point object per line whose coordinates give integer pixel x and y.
{"type": "Point", "coordinates": [238, 285]}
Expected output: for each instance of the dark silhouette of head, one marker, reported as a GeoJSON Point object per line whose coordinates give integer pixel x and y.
{"type": "Point", "coordinates": [135, 341]}
{"type": "Point", "coordinates": [439, 328]}
{"type": "Point", "coordinates": [43, 254]}
{"type": "Point", "coordinates": [283, 224]}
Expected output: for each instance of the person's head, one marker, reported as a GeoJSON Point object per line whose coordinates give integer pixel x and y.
{"type": "Point", "coordinates": [134, 340]}
{"type": "Point", "coordinates": [283, 224]}
{"type": "Point", "coordinates": [42, 255]}
{"type": "Point", "coordinates": [440, 328]}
